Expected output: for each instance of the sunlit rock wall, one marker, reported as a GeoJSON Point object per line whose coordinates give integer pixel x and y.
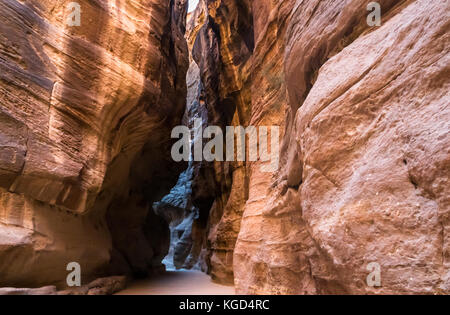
{"type": "Point", "coordinates": [85, 119]}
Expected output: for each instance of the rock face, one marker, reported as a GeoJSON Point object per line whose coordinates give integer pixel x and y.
{"type": "Point", "coordinates": [363, 181]}
{"type": "Point", "coordinates": [101, 286]}
{"type": "Point", "coordinates": [48, 290]}
{"type": "Point", "coordinates": [203, 208]}
{"type": "Point", "coordinates": [85, 119]}
{"type": "Point", "coordinates": [365, 161]}
{"type": "Point", "coordinates": [177, 207]}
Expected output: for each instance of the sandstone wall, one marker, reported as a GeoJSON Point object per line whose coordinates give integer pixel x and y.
{"type": "Point", "coordinates": [365, 162]}
{"type": "Point", "coordinates": [207, 221]}
{"type": "Point", "coordinates": [86, 115]}
{"type": "Point", "coordinates": [85, 120]}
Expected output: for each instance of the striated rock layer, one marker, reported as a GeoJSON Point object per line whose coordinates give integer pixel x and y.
{"type": "Point", "coordinates": [365, 161]}
{"type": "Point", "coordinates": [204, 208]}
{"type": "Point", "coordinates": [187, 234]}
{"type": "Point", "coordinates": [85, 120]}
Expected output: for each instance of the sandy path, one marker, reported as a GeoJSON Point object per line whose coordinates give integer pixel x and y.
{"type": "Point", "coordinates": [184, 282]}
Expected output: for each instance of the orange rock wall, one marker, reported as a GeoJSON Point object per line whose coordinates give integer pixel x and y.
{"type": "Point", "coordinates": [85, 119]}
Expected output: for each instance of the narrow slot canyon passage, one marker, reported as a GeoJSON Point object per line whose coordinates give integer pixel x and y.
{"type": "Point", "coordinates": [221, 147]}
{"type": "Point", "coordinates": [187, 206]}
{"type": "Point", "coordinates": [185, 212]}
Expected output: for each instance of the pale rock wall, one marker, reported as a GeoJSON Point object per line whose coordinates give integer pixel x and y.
{"type": "Point", "coordinates": [365, 163]}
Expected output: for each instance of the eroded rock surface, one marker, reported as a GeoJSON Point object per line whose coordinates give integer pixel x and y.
{"type": "Point", "coordinates": [364, 166]}
{"type": "Point", "coordinates": [180, 208]}
{"type": "Point", "coordinates": [48, 290]}
{"type": "Point", "coordinates": [85, 121]}
{"type": "Point", "coordinates": [364, 171]}
{"type": "Point", "coordinates": [204, 208]}
{"type": "Point", "coordinates": [101, 286]}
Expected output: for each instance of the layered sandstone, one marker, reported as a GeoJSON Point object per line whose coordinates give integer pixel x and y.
{"type": "Point", "coordinates": [364, 170]}
{"type": "Point", "coordinates": [85, 121]}
{"type": "Point", "coordinates": [204, 208]}
{"type": "Point", "coordinates": [86, 116]}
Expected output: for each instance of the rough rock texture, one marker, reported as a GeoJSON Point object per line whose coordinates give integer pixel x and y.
{"type": "Point", "coordinates": [186, 218]}
{"type": "Point", "coordinates": [85, 120]}
{"type": "Point", "coordinates": [101, 286]}
{"type": "Point", "coordinates": [365, 161]}
{"type": "Point", "coordinates": [204, 209]}
{"type": "Point", "coordinates": [223, 46]}
{"type": "Point", "coordinates": [48, 290]}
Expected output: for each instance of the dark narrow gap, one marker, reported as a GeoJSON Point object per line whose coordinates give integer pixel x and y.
{"type": "Point", "coordinates": [195, 205]}
{"type": "Point", "coordinates": [185, 209]}
{"type": "Point", "coordinates": [177, 207]}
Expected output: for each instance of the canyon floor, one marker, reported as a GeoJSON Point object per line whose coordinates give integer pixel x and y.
{"type": "Point", "coordinates": [184, 282]}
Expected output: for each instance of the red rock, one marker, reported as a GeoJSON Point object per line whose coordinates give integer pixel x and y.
{"type": "Point", "coordinates": [85, 121]}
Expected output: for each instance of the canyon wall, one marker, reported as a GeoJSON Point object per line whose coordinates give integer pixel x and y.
{"type": "Point", "coordinates": [364, 161]}
{"type": "Point", "coordinates": [85, 119]}
{"type": "Point", "coordinates": [86, 115]}
{"type": "Point", "coordinates": [205, 207]}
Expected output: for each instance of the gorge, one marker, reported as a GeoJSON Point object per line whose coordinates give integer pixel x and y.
{"type": "Point", "coordinates": [86, 168]}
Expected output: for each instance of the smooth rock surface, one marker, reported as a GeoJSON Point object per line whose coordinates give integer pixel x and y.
{"type": "Point", "coordinates": [85, 121]}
